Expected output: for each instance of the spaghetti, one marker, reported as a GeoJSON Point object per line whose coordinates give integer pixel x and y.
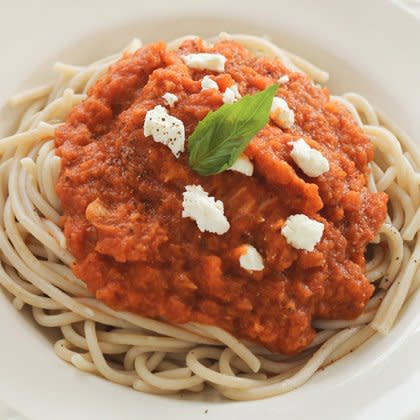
{"type": "Point", "coordinates": [153, 356]}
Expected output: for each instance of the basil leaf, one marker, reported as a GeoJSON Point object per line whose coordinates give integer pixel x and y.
{"type": "Point", "coordinates": [223, 135]}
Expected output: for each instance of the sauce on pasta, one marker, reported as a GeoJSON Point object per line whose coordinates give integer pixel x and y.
{"type": "Point", "coordinates": [121, 195]}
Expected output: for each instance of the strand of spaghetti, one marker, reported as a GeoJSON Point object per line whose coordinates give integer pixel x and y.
{"type": "Point", "coordinates": [132, 329]}
{"type": "Point", "coordinates": [150, 324]}
{"type": "Point", "coordinates": [386, 141]}
{"type": "Point", "coordinates": [143, 340]}
{"type": "Point", "coordinates": [273, 366]}
{"type": "Point", "coordinates": [28, 218]}
{"type": "Point", "coordinates": [133, 352]}
{"type": "Point", "coordinates": [339, 324]}
{"type": "Point", "coordinates": [397, 210]}
{"type": "Point", "coordinates": [196, 329]}
{"type": "Point", "coordinates": [383, 146]}
{"type": "Point", "coordinates": [36, 265]}
{"type": "Point", "coordinates": [30, 95]}
{"type": "Point", "coordinates": [80, 362]}
{"type": "Point", "coordinates": [278, 367]}
{"type": "Point", "coordinates": [397, 194]}
{"type": "Point", "coordinates": [402, 137]}
{"type": "Point", "coordinates": [155, 360]}
{"type": "Point", "coordinates": [378, 272]}
{"type": "Point", "coordinates": [60, 85]}
{"type": "Point", "coordinates": [314, 72]}
{"type": "Point", "coordinates": [416, 283]}
{"type": "Point", "coordinates": [163, 364]}
{"type": "Point", "coordinates": [57, 320]}
{"type": "Point", "coordinates": [413, 227]}
{"type": "Point", "coordinates": [69, 277]}
{"type": "Point", "coordinates": [29, 273]}
{"type": "Point", "coordinates": [396, 249]}
{"type": "Point", "coordinates": [196, 388]}
{"type": "Point", "coordinates": [375, 300]}
{"type": "Point", "coordinates": [59, 108]}
{"type": "Point", "coordinates": [164, 382]}
{"type": "Point", "coordinates": [34, 196]}
{"type": "Point", "coordinates": [387, 179]}
{"type": "Point", "coordinates": [79, 341]}
{"type": "Point", "coordinates": [124, 378]}
{"type": "Point", "coordinates": [62, 350]}
{"type": "Point", "coordinates": [105, 319]}
{"type": "Point", "coordinates": [45, 180]}
{"type": "Point", "coordinates": [363, 107]}
{"type": "Point", "coordinates": [80, 80]}
{"type": "Point", "coordinates": [410, 161]}
{"type": "Point", "coordinates": [55, 169]}
{"type": "Point", "coordinates": [225, 360]}
{"type": "Point", "coordinates": [407, 206]}
{"type": "Point", "coordinates": [273, 379]}
{"type": "Point", "coordinates": [54, 231]}
{"type": "Point", "coordinates": [348, 346]}
{"type": "Point", "coordinates": [208, 374]}
{"type": "Point", "coordinates": [391, 305]}
{"type": "Point", "coordinates": [27, 297]}
{"type": "Point", "coordinates": [43, 131]}
{"type": "Point", "coordinates": [19, 180]}
{"type": "Point", "coordinates": [235, 345]}
{"type": "Point", "coordinates": [22, 283]}
{"type": "Point", "coordinates": [255, 376]}
{"type": "Point", "coordinates": [62, 282]}
{"type": "Point", "coordinates": [297, 379]}
{"type": "Point", "coordinates": [67, 69]}
{"type": "Point", "coordinates": [29, 114]}
{"type": "Point", "coordinates": [384, 283]}
{"type": "Point", "coordinates": [321, 337]}
{"type": "Point", "coordinates": [175, 373]}
{"type": "Point", "coordinates": [371, 181]}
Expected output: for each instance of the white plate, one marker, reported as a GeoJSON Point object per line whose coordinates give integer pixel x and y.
{"type": "Point", "coordinates": [368, 46]}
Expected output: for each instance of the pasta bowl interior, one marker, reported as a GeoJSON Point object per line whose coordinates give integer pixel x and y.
{"type": "Point", "coordinates": [39, 384]}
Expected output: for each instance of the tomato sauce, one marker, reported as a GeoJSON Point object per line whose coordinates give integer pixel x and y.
{"type": "Point", "coordinates": [121, 195]}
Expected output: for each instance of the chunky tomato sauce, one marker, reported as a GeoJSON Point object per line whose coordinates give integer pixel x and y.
{"type": "Point", "coordinates": [121, 195]}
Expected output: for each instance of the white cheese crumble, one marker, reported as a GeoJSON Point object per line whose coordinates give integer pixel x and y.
{"type": "Point", "coordinates": [231, 95]}
{"type": "Point", "coordinates": [281, 114]}
{"type": "Point", "coordinates": [251, 259]}
{"type": "Point", "coordinates": [165, 128]}
{"type": "Point", "coordinates": [208, 83]}
{"type": "Point", "coordinates": [282, 80]}
{"type": "Point", "coordinates": [170, 99]}
{"type": "Point", "coordinates": [311, 161]}
{"type": "Point", "coordinates": [205, 61]}
{"type": "Point", "coordinates": [302, 232]}
{"type": "Point", "coordinates": [243, 165]}
{"type": "Point", "coordinates": [207, 212]}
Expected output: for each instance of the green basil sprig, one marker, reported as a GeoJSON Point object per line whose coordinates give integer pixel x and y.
{"type": "Point", "coordinates": [223, 135]}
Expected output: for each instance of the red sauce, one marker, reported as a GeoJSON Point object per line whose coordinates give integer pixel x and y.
{"type": "Point", "coordinates": [121, 195]}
